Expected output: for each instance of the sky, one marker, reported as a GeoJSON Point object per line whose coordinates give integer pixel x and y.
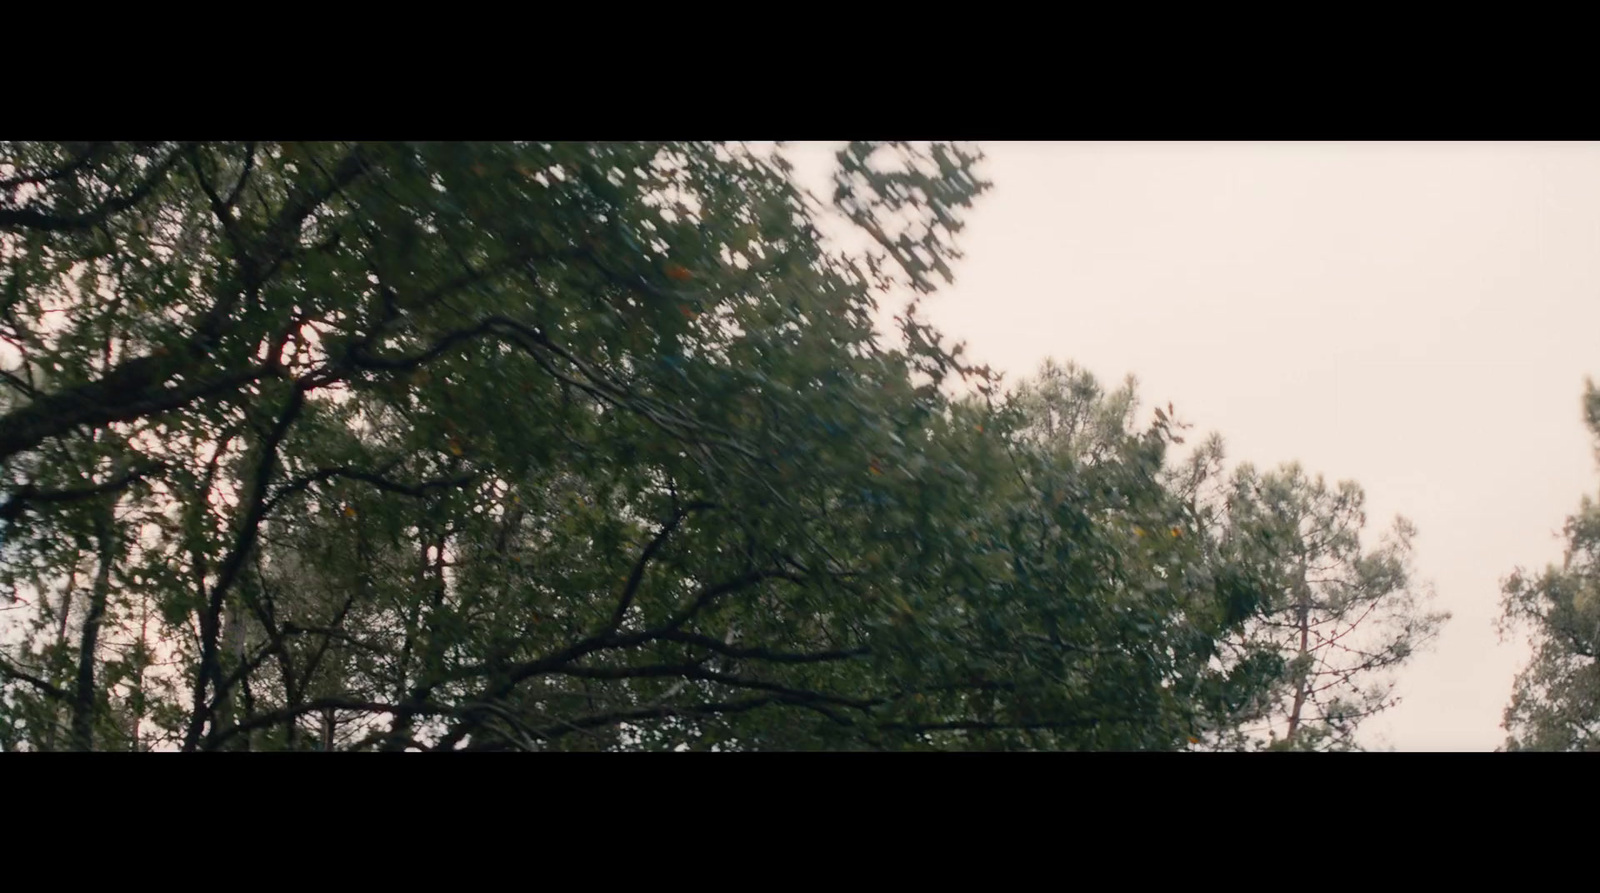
{"type": "Point", "coordinates": [1417, 317]}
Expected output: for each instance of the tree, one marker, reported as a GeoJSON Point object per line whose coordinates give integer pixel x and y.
{"type": "Point", "coordinates": [1341, 615]}
{"type": "Point", "coordinates": [545, 446]}
{"type": "Point", "coordinates": [1130, 584]}
{"type": "Point", "coordinates": [287, 366]}
{"type": "Point", "coordinates": [495, 445]}
{"type": "Point", "coordinates": [1555, 704]}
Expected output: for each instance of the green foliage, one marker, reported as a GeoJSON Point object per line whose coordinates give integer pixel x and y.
{"type": "Point", "coordinates": [548, 446]}
{"type": "Point", "coordinates": [1340, 616]}
{"type": "Point", "coordinates": [1555, 704]}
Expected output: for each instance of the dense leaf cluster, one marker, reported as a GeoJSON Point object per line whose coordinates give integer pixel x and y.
{"type": "Point", "coordinates": [550, 446]}
{"type": "Point", "coordinates": [1555, 704]}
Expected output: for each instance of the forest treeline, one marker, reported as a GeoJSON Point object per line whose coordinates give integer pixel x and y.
{"type": "Point", "coordinates": [556, 446]}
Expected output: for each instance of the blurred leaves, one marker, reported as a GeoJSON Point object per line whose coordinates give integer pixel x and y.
{"type": "Point", "coordinates": [542, 445]}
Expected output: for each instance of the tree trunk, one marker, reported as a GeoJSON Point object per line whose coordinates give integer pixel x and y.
{"type": "Point", "coordinates": [1303, 675]}
{"type": "Point", "coordinates": [233, 647]}
{"type": "Point", "coordinates": [138, 676]}
{"type": "Point", "coordinates": [83, 701]}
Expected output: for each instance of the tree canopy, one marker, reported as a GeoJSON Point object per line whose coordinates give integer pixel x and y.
{"type": "Point", "coordinates": [1555, 704]}
{"type": "Point", "coordinates": [543, 446]}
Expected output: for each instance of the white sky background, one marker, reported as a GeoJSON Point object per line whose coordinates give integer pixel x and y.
{"type": "Point", "coordinates": [1417, 317]}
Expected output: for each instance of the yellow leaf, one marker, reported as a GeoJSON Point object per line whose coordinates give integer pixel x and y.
{"type": "Point", "coordinates": [349, 511]}
{"type": "Point", "coordinates": [455, 446]}
{"type": "Point", "coordinates": [1139, 531]}
{"type": "Point", "coordinates": [1176, 532]}
{"type": "Point", "coordinates": [1193, 740]}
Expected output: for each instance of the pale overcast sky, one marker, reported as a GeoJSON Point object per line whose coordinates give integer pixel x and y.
{"type": "Point", "coordinates": [1417, 317]}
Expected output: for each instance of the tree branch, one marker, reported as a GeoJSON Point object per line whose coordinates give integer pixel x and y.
{"type": "Point", "coordinates": [15, 219]}
{"type": "Point", "coordinates": [636, 576]}
{"type": "Point", "coordinates": [52, 691]}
